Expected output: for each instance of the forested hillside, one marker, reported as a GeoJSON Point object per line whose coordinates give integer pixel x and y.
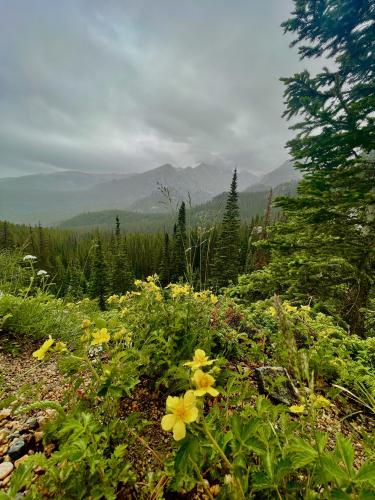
{"type": "Point", "coordinates": [230, 355]}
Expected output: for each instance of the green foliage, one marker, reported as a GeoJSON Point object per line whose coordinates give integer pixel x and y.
{"type": "Point", "coordinates": [90, 462]}
{"type": "Point", "coordinates": [228, 244]}
{"type": "Point", "coordinates": [37, 317]}
{"type": "Point", "coordinates": [99, 283]}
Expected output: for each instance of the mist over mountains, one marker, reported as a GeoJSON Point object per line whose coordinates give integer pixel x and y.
{"type": "Point", "coordinates": [52, 198]}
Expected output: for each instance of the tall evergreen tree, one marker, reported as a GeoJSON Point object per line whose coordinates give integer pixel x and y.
{"type": "Point", "coordinates": [226, 263]}
{"type": "Point", "coordinates": [99, 276]}
{"type": "Point", "coordinates": [6, 239]}
{"type": "Point", "coordinates": [180, 244]}
{"type": "Point", "coordinates": [43, 248]}
{"type": "Point", "coordinates": [118, 229]}
{"type": "Point", "coordinates": [122, 275]}
{"type": "Point", "coordinates": [165, 264]}
{"type": "Point", "coordinates": [324, 252]}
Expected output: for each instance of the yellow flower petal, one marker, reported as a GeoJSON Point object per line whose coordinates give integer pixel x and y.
{"type": "Point", "coordinates": [200, 392]}
{"type": "Point", "coordinates": [172, 403]}
{"type": "Point", "coordinates": [168, 422]}
{"type": "Point", "coordinates": [212, 391]}
{"type": "Point", "coordinates": [189, 399]}
{"type": "Point", "coordinates": [179, 430]}
{"type": "Point", "coordinates": [41, 352]}
{"type": "Point", "coordinates": [191, 415]}
{"type": "Point", "coordinates": [297, 408]}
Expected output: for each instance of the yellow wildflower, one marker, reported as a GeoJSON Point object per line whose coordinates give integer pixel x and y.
{"type": "Point", "coordinates": [85, 323]}
{"type": "Point", "coordinates": [214, 299]}
{"type": "Point", "coordinates": [320, 401]}
{"type": "Point", "coordinates": [272, 311]}
{"type": "Point", "coordinates": [119, 334]}
{"type": "Point", "coordinates": [203, 295]}
{"type": "Point", "coordinates": [138, 282]}
{"type": "Point", "coordinates": [297, 408]}
{"type": "Point", "coordinates": [151, 286]}
{"type": "Point", "coordinates": [152, 279]}
{"type": "Point", "coordinates": [41, 352]}
{"type": "Point", "coordinates": [181, 411]}
{"type": "Point", "coordinates": [60, 347]}
{"type": "Point", "coordinates": [204, 382]}
{"type": "Point", "coordinates": [85, 337]}
{"type": "Point", "coordinates": [100, 337]}
{"type": "Point", "coordinates": [113, 299]}
{"type": "Point", "coordinates": [179, 290]}
{"type": "Point", "coordinates": [289, 308]}
{"type": "Point", "coordinates": [200, 359]}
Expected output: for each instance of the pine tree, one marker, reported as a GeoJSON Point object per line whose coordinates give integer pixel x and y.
{"type": "Point", "coordinates": [180, 244]}
{"type": "Point", "coordinates": [226, 261]}
{"type": "Point", "coordinates": [117, 230]}
{"type": "Point", "coordinates": [75, 285]}
{"type": "Point", "coordinates": [99, 278]}
{"type": "Point", "coordinates": [165, 264]}
{"type": "Point", "coordinates": [323, 253]}
{"type": "Point", "coordinates": [122, 275]}
{"type": "Point", "coordinates": [43, 249]}
{"type": "Point", "coordinates": [6, 239]}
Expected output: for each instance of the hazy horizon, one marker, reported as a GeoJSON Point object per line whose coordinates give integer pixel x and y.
{"type": "Point", "coordinates": [124, 88]}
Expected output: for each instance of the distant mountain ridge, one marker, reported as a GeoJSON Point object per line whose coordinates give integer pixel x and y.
{"type": "Point", "coordinates": [250, 204]}
{"type": "Point", "coordinates": [50, 198]}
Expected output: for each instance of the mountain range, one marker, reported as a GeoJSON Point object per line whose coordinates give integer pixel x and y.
{"type": "Point", "coordinates": [250, 205]}
{"type": "Point", "coordinates": [52, 198]}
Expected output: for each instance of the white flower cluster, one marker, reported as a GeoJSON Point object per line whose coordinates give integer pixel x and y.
{"type": "Point", "coordinates": [42, 272]}
{"type": "Point", "coordinates": [29, 258]}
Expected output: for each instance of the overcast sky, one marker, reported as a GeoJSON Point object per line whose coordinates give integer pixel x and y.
{"type": "Point", "coordinates": [126, 85]}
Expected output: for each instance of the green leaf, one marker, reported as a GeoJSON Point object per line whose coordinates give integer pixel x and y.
{"type": "Point", "coordinates": [301, 453]}
{"type": "Point", "coordinates": [366, 473]}
{"type": "Point", "coordinates": [345, 449]}
{"type": "Point", "coordinates": [120, 451]}
{"type": "Point", "coordinates": [333, 470]}
{"type": "Point", "coordinates": [100, 323]}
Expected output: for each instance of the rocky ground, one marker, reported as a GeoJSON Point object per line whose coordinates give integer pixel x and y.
{"type": "Point", "coordinates": [23, 380]}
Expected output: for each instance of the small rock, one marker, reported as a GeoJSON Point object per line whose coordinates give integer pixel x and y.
{"type": "Point", "coordinates": [20, 460]}
{"type": "Point", "coordinates": [5, 469]}
{"type": "Point", "coordinates": [49, 449]}
{"type": "Point", "coordinates": [13, 435]}
{"type": "Point", "coordinates": [38, 436]}
{"type": "Point", "coordinates": [38, 470]}
{"type": "Point", "coordinates": [3, 449]}
{"type": "Point", "coordinates": [32, 423]}
{"type": "Point", "coordinates": [41, 420]}
{"type": "Point", "coordinates": [276, 383]}
{"type": "Point", "coordinates": [5, 413]}
{"type": "Point", "coordinates": [17, 448]}
{"type": "Point", "coordinates": [6, 481]}
{"type": "Point", "coordinates": [4, 433]}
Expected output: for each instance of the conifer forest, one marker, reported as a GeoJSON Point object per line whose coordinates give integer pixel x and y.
{"type": "Point", "coordinates": [215, 350]}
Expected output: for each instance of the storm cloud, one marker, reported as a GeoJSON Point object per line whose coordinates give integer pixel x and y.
{"type": "Point", "coordinates": [124, 86]}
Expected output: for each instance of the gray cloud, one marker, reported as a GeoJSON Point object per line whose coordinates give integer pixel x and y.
{"type": "Point", "coordinates": [125, 86]}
